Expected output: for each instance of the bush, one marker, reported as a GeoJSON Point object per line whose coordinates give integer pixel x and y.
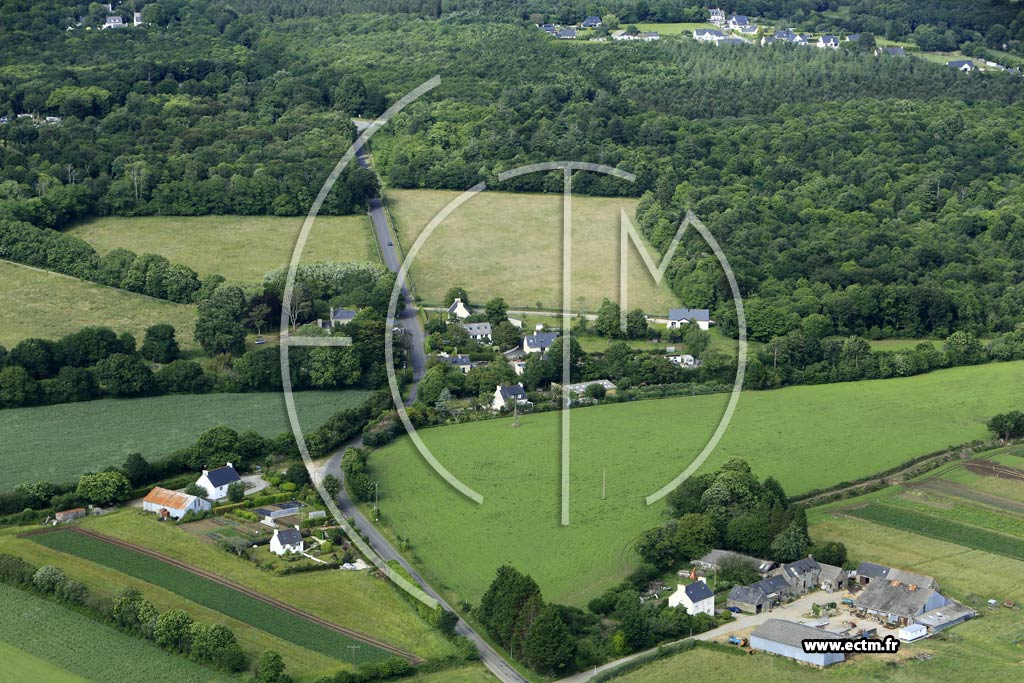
{"type": "Point", "coordinates": [48, 578]}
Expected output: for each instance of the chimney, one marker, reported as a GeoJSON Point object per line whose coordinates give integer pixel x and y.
{"type": "Point", "coordinates": [206, 472]}
{"type": "Point", "coordinates": [539, 327]}
{"type": "Point", "coordinates": [702, 579]}
{"type": "Point", "coordinates": [231, 466]}
{"type": "Point", "coordinates": [297, 528]}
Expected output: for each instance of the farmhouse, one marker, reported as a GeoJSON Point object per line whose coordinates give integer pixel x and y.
{"type": "Point", "coordinates": [962, 65]}
{"type": "Point", "coordinates": [459, 310]}
{"type": "Point", "coordinates": [712, 561]}
{"type": "Point", "coordinates": [802, 575]}
{"type": "Point", "coordinates": [539, 342]}
{"type": "Point", "coordinates": [829, 42]}
{"type": "Point", "coordinates": [549, 28]}
{"type": "Point", "coordinates": [900, 597]}
{"type": "Point", "coordinates": [566, 34]}
{"type": "Point", "coordinates": [785, 638]}
{"type": "Point", "coordinates": [696, 597]}
{"type": "Point", "coordinates": [478, 331]}
{"type": "Point", "coordinates": [286, 541]}
{"type": "Point", "coordinates": [69, 515]}
{"type": "Point", "coordinates": [677, 317]}
{"type": "Point", "coordinates": [591, 22]}
{"type": "Point", "coordinates": [757, 596]}
{"type": "Point", "coordinates": [718, 16]}
{"type": "Point", "coordinates": [505, 397]}
{"type": "Point", "coordinates": [708, 35]}
{"type": "Point", "coordinates": [167, 503]}
{"type": "Point", "coordinates": [216, 481]}
{"type": "Point", "coordinates": [738, 21]}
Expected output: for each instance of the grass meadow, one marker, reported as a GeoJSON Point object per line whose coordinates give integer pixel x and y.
{"type": "Point", "coordinates": [37, 303]}
{"type": "Point", "coordinates": [82, 648]}
{"type": "Point", "coordinates": [356, 600]}
{"type": "Point", "coordinates": [807, 437]}
{"type": "Point", "coordinates": [510, 245]}
{"type": "Point", "coordinates": [20, 666]}
{"type": "Point", "coordinates": [241, 248]}
{"type": "Point", "coordinates": [58, 443]}
{"type": "Point", "coordinates": [674, 29]}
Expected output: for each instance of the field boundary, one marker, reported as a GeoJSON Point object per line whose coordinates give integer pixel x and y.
{"type": "Point", "coordinates": [248, 592]}
{"type": "Point", "coordinates": [90, 282]}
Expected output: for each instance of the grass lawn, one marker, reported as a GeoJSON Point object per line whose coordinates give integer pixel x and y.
{"type": "Point", "coordinates": [356, 600]}
{"type": "Point", "coordinates": [49, 305]}
{"type": "Point", "coordinates": [20, 666]}
{"type": "Point", "coordinates": [807, 437]}
{"type": "Point", "coordinates": [674, 29]}
{"type": "Point", "coordinates": [70, 641]}
{"type": "Point", "coordinates": [58, 443]}
{"type": "Point", "coordinates": [509, 245]}
{"type": "Point", "coordinates": [241, 248]}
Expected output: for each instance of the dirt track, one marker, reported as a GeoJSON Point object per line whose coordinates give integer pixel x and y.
{"type": "Point", "coordinates": [989, 468]}
{"type": "Point", "coordinates": [408, 656]}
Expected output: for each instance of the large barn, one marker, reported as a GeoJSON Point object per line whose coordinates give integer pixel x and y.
{"type": "Point", "coordinates": [173, 504]}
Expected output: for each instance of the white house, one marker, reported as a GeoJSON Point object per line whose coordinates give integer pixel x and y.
{"type": "Point", "coordinates": [539, 342]}
{"type": "Point", "coordinates": [478, 331]}
{"type": "Point", "coordinates": [717, 16]}
{"type": "Point", "coordinates": [831, 42]}
{"type": "Point", "coordinates": [114, 21]}
{"type": "Point", "coordinates": [677, 317]}
{"type": "Point", "coordinates": [506, 397]}
{"type": "Point", "coordinates": [286, 541]}
{"type": "Point", "coordinates": [708, 35]}
{"type": "Point", "coordinates": [460, 361]}
{"type": "Point", "coordinates": [173, 504]}
{"type": "Point", "coordinates": [519, 366]}
{"type": "Point", "coordinates": [459, 310]}
{"type": "Point", "coordinates": [738, 21]}
{"type": "Point", "coordinates": [696, 597]}
{"type": "Point", "coordinates": [962, 65]}
{"type": "Point", "coordinates": [137, 18]}
{"type": "Point", "coordinates": [591, 22]}
{"type": "Point", "coordinates": [216, 481]}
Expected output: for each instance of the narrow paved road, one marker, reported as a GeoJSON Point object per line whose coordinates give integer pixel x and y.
{"type": "Point", "coordinates": [415, 339]}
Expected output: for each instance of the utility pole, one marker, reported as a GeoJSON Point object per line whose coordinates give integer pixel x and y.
{"type": "Point", "coordinates": [353, 648]}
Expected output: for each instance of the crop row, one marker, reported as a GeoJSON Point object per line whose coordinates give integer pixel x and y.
{"type": "Point", "coordinates": [963, 512]}
{"type": "Point", "coordinates": [77, 644]}
{"type": "Point", "coordinates": [941, 529]}
{"type": "Point", "coordinates": [215, 596]}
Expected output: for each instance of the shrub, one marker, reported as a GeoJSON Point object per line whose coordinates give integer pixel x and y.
{"type": "Point", "coordinates": [48, 578]}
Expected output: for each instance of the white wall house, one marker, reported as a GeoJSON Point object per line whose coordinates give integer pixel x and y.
{"type": "Point", "coordinates": [539, 342]}
{"type": "Point", "coordinates": [286, 541]}
{"type": "Point", "coordinates": [459, 310]}
{"type": "Point", "coordinates": [708, 35]}
{"type": "Point", "coordinates": [506, 397]}
{"type": "Point", "coordinates": [696, 597]}
{"type": "Point", "coordinates": [173, 504]}
{"type": "Point", "coordinates": [478, 331]}
{"type": "Point", "coordinates": [216, 481]}
{"type": "Point", "coordinates": [677, 317]}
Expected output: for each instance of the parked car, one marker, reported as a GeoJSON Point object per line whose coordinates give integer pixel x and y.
{"type": "Point", "coordinates": [735, 610]}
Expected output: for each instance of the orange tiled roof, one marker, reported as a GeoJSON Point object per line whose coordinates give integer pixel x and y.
{"type": "Point", "coordinates": [168, 499]}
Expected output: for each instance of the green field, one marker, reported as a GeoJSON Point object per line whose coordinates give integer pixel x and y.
{"type": "Point", "coordinates": [225, 600]}
{"type": "Point", "coordinates": [58, 443]}
{"type": "Point", "coordinates": [676, 28]}
{"type": "Point", "coordinates": [43, 304]}
{"type": "Point", "coordinates": [241, 248]}
{"type": "Point", "coordinates": [356, 600]}
{"type": "Point", "coordinates": [501, 244]}
{"type": "Point", "coordinates": [19, 666]}
{"type": "Point", "coordinates": [70, 641]}
{"type": "Point", "coordinates": [807, 437]}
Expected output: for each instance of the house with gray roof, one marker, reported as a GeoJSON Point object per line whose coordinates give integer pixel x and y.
{"type": "Point", "coordinates": [286, 541]}
{"type": "Point", "coordinates": [962, 65]}
{"type": "Point", "coordinates": [460, 361]}
{"type": "Point", "coordinates": [762, 595]}
{"type": "Point", "coordinates": [738, 21]}
{"type": "Point", "coordinates": [832, 578]}
{"type": "Point", "coordinates": [828, 41]}
{"type": "Point", "coordinates": [566, 34]}
{"type": "Point", "coordinates": [899, 597]}
{"type": "Point", "coordinates": [591, 22]}
{"type": "Point", "coordinates": [695, 597]}
{"type": "Point", "coordinates": [342, 316]}
{"type": "Point", "coordinates": [539, 342]}
{"type": "Point", "coordinates": [509, 396]}
{"type": "Point", "coordinates": [708, 35]}
{"type": "Point", "coordinates": [867, 572]}
{"type": "Point", "coordinates": [677, 317]}
{"type": "Point", "coordinates": [802, 575]}
{"type": "Point", "coordinates": [216, 481]}
{"type": "Point", "coordinates": [478, 331]}
{"type": "Point", "coordinates": [785, 638]}
{"type": "Point", "coordinates": [890, 51]}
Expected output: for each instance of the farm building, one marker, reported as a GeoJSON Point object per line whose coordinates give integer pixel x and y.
{"type": "Point", "coordinates": [911, 632]}
{"type": "Point", "coordinates": [269, 513]}
{"type": "Point", "coordinates": [803, 575]}
{"type": "Point", "coordinates": [505, 397]}
{"type": "Point", "coordinates": [785, 638]}
{"type": "Point", "coordinates": [580, 388]}
{"type": "Point", "coordinates": [459, 310]}
{"type": "Point", "coordinates": [832, 578]}
{"type": "Point", "coordinates": [69, 515]}
{"type": "Point", "coordinates": [677, 317]}
{"type": "Point", "coordinates": [762, 595]}
{"type": "Point", "coordinates": [696, 597]}
{"type": "Point", "coordinates": [286, 541]}
{"type": "Point", "coordinates": [900, 597]}
{"type": "Point", "coordinates": [539, 342]}
{"type": "Point", "coordinates": [713, 559]}
{"type": "Point", "coordinates": [167, 503]}
{"type": "Point", "coordinates": [867, 572]}
{"type": "Point", "coordinates": [950, 614]}
{"type": "Point", "coordinates": [216, 481]}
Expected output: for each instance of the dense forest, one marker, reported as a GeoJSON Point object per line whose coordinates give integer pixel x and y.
{"type": "Point", "coordinates": [881, 193]}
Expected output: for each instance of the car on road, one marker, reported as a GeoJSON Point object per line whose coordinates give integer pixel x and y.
{"type": "Point", "coordinates": [390, 243]}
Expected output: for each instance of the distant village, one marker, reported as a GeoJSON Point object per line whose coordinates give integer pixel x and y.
{"type": "Point", "coordinates": [737, 29]}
